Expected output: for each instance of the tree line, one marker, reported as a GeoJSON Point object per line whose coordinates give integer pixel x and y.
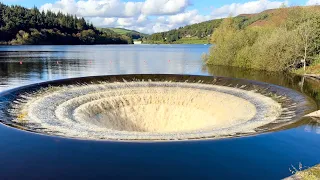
{"type": "Point", "coordinates": [293, 44]}
{"type": "Point", "coordinates": [201, 30]}
{"type": "Point", "coordinates": [19, 25]}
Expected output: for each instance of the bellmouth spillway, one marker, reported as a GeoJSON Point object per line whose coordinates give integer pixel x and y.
{"type": "Point", "coordinates": [154, 107]}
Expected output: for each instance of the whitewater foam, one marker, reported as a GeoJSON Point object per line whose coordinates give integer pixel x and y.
{"type": "Point", "coordinates": [146, 110]}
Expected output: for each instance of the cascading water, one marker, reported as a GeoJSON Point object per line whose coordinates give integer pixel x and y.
{"type": "Point", "coordinates": [153, 107]}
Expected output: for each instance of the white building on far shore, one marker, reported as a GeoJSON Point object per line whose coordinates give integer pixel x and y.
{"type": "Point", "coordinates": [137, 42]}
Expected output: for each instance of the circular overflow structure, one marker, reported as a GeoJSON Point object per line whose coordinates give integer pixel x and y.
{"type": "Point", "coordinates": [152, 107]}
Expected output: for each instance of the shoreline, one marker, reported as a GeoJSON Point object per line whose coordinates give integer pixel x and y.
{"type": "Point", "coordinates": [313, 76]}
{"type": "Point", "coordinates": [60, 44]}
{"type": "Point", "coordinates": [308, 174]}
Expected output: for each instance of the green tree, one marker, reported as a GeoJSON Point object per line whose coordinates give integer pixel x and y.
{"type": "Point", "coordinates": [307, 33]}
{"type": "Point", "coordinates": [19, 25]}
{"type": "Point", "coordinates": [272, 48]}
{"type": "Point", "coordinates": [88, 36]}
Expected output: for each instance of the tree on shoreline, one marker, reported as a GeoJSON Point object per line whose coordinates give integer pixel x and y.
{"type": "Point", "coordinates": [291, 45]}
{"type": "Point", "coordinates": [307, 33]}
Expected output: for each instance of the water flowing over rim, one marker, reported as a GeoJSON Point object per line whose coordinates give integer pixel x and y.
{"type": "Point", "coordinates": [289, 99]}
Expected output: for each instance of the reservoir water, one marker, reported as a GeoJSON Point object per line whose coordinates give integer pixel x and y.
{"type": "Point", "coordinates": [34, 156]}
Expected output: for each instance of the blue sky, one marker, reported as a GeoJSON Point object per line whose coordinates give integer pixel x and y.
{"type": "Point", "coordinates": [198, 4]}
{"type": "Point", "coordinates": [151, 16]}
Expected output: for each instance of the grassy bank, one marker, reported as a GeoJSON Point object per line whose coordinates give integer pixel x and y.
{"type": "Point", "coordinates": [120, 30]}
{"type": "Point", "coordinates": [309, 174]}
{"type": "Point", "coordinates": [192, 40]}
{"type": "Point", "coordinates": [312, 69]}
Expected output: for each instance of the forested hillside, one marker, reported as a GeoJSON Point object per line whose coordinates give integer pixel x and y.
{"type": "Point", "coordinates": [130, 33]}
{"type": "Point", "coordinates": [285, 39]}
{"type": "Point", "coordinates": [195, 31]}
{"type": "Point", "coordinates": [19, 25]}
{"type": "Point", "coordinates": [201, 32]}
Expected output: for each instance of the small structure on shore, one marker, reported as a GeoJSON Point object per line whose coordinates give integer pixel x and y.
{"type": "Point", "coordinates": [137, 42]}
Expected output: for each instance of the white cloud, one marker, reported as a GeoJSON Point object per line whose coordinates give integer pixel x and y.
{"type": "Point", "coordinates": [92, 8]}
{"type": "Point", "coordinates": [142, 19]}
{"type": "Point", "coordinates": [144, 24]}
{"type": "Point", "coordinates": [189, 17]}
{"type": "Point", "coordinates": [117, 8]}
{"type": "Point", "coordinates": [313, 2]}
{"type": "Point", "coordinates": [152, 16]}
{"type": "Point", "coordinates": [125, 22]}
{"type": "Point", "coordinates": [65, 6]}
{"type": "Point", "coordinates": [106, 22]}
{"type": "Point", "coordinates": [161, 7]}
{"type": "Point", "coordinates": [246, 8]}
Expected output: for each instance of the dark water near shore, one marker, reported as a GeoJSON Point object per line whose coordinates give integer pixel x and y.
{"type": "Point", "coordinates": [32, 156]}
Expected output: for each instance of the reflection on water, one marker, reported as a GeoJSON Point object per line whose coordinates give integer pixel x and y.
{"type": "Point", "coordinates": [313, 126]}
{"type": "Point", "coordinates": [267, 156]}
{"type": "Point", "coordinates": [27, 64]}
{"type": "Point", "coordinates": [21, 65]}
{"type": "Point", "coordinates": [307, 86]}
{"type": "Point", "coordinates": [301, 84]}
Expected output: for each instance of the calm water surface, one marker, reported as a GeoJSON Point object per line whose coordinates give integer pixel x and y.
{"type": "Point", "coordinates": [31, 156]}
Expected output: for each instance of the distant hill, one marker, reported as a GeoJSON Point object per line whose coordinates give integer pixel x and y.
{"type": "Point", "coordinates": [193, 34]}
{"type": "Point", "coordinates": [131, 33]}
{"type": "Point", "coordinates": [200, 33]}
{"type": "Point", "coordinates": [124, 31]}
